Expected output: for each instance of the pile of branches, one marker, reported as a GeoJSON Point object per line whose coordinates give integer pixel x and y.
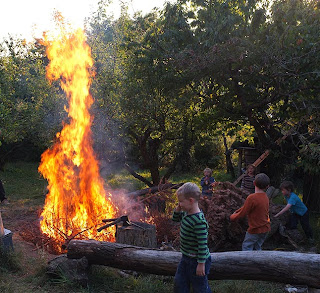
{"type": "Point", "coordinates": [31, 233]}
{"type": "Point", "coordinates": [160, 205]}
{"type": "Point", "coordinates": [223, 234]}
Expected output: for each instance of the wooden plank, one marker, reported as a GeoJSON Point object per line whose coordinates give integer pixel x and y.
{"type": "Point", "coordinates": [256, 163]}
{"type": "Point", "coordinates": [267, 152]}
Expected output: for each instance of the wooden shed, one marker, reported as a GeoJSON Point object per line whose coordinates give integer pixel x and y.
{"type": "Point", "coordinates": [247, 155]}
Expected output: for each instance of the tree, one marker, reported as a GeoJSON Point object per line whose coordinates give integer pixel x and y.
{"type": "Point", "coordinates": [147, 96]}
{"type": "Point", "coordinates": [257, 67]}
{"type": "Point", "coordinates": [28, 103]}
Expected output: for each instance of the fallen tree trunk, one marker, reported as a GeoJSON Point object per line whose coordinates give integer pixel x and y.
{"type": "Point", "coordinates": [154, 189]}
{"type": "Point", "coordinates": [275, 266]}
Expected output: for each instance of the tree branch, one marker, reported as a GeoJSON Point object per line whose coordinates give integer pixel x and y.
{"type": "Point", "coordinates": [137, 176]}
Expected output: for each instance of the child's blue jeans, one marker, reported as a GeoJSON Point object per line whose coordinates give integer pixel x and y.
{"type": "Point", "coordinates": [253, 241]}
{"type": "Point", "coordinates": [186, 276]}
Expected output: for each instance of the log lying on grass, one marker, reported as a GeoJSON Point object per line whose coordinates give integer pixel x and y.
{"type": "Point", "coordinates": [275, 266]}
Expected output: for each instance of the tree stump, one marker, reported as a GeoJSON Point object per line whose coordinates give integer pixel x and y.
{"type": "Point", "coordinates": [137, 234]}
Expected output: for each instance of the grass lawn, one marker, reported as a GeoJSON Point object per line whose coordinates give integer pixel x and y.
{"type": "Point", "coordinates": [24, 269]}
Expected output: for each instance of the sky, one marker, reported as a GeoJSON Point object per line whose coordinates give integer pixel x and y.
{"type": "Point", "coordinates": [29, 18]}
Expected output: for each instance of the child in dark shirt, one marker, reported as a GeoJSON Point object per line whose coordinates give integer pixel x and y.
{"type": "Point", "coordinates": [206, 182]}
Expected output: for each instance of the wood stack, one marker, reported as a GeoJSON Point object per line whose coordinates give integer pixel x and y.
{"type": "Point", "coordinates": [226, 199]}
{"type": "Point", "coordinates": [225, 235]}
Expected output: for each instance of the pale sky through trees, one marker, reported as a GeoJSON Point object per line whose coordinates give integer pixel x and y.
{"type": "Point", "coordinates": [27, 18]}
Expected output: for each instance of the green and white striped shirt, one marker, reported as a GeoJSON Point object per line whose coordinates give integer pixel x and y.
{"type": "Point", "coordinates": [193, 235]}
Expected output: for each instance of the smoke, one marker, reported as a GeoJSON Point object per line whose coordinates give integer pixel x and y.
{"type": "Point", "coordinates": [127, 205]}
{"type": "Point", "coordinates": [110, 148]}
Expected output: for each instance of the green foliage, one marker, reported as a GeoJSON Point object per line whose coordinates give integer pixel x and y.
{"type": "Point", "coordinates": [169, 84]}
{"type": "Point", "coordinates": [310, 157]}
{"type": "Point", "coordinates": [208, 152]}
{"type": "Point", "coordinates": [25, 94]}
{"type": "Point", "coordinates": [240, 68]}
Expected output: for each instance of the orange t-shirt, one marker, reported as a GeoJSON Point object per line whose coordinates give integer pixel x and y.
{"type": "Point", "coordinates": [256, 207]}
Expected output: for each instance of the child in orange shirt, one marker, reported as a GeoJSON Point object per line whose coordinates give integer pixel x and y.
{"type": "Point", "coordinates": [256, 207]}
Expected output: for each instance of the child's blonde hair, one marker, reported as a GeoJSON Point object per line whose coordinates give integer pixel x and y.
{"type": "Point", "coordinates": [208, 169]}
{"type": "Point", "coordinates": [189, 190]}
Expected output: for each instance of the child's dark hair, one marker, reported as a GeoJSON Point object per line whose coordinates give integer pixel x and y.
{"type": "Point", "coordinates": [288, 185]}
{"type": "Point", "coordinates": [189, 190]}
{"type": "Point", "coordinates": [262, 180]}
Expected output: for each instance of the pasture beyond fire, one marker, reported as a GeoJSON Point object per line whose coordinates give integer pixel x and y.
{"type": "Point", "coordinates": [24, 270]}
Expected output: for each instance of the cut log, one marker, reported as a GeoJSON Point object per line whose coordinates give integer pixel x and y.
{"type": "Point", "coordinates": [138, 234]}
{"type": "Point", "coordinates": [275, 266]}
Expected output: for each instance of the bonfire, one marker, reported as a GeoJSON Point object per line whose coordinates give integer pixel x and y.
{"type": "Point", "coordinates": [76, 201]}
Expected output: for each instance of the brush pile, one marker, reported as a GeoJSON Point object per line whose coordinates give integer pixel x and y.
{"type": "Point", "coordinates": [223, 234]}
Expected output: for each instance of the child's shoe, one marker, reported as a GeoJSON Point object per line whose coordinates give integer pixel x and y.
{"type": "Point", "coordinates": [5, 202]}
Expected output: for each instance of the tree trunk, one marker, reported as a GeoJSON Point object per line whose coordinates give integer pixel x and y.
{"type": "Point", "coordinates": [137, 176]}
{"type": "Point", "coordinates": [311, 185]}
{"type": "Point", "coordinates": [138, 234]}
{"type": "Point", "coordinates": [230, 169]}
{"type": "Point", "coordinates": [275, 266]}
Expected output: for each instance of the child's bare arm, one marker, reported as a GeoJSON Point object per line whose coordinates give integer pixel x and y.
{"type": "Point", "coordinates": [200, 269]}
{"type": "Point", "coordinates": [286, 208]}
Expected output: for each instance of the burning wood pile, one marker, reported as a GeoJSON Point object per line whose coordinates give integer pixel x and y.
{"type": "Point", "coordinates": [76, 201]}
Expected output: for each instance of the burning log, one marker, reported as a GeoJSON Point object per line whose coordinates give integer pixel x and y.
{"type": "Point", "coordinates": [275, 266]}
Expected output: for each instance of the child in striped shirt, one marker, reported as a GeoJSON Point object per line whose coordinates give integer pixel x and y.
{"type": "Point", "coordinates": [195, 263]}
{"type": "Point", "coordinates": [248, 178]}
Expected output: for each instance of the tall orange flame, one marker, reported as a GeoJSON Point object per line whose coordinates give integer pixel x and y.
{"type": "Point", "coordinates": [76, 202]}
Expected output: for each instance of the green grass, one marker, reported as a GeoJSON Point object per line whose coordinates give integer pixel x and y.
{"type": "Point", "coordinates": [9, 261]}
{"type": "Point", "coordinates": [23, 183]}
{"type": "Point", "coordinates": [24, 269]}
